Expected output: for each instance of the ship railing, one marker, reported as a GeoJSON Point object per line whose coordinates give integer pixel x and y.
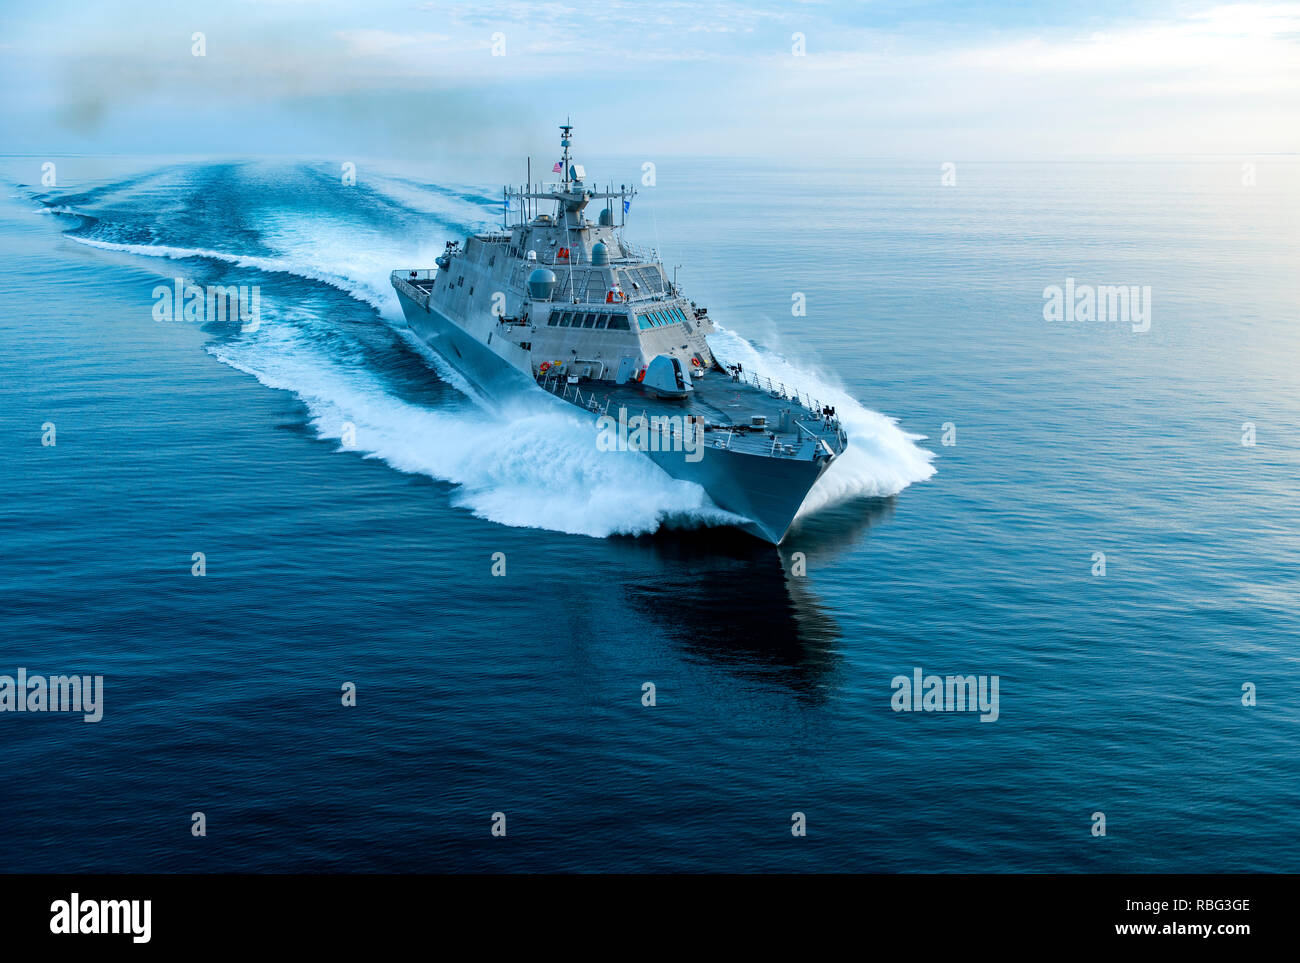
{"type": "Point", "coordinates": [777, 389]}
{"type": "Point", "coordinates": [601, 303]}
{"type": "Point", "coordinates": [647, 295]}
{"type": "Point", "coordinates": [552, 259]}
{"type": "Point", "coordinates": [635, 252]}
{"type": "Point", "coordinates": [559, 385]}
{"type": "Point", "coordinates": [573, 186]}
{"type": "Point", "coordinates": [417, 294]}
{"type": "Point", "coordinates": [549, 259]}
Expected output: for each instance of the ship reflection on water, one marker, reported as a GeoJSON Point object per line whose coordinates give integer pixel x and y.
{"type": "Point", "coordinates": [751, 613]}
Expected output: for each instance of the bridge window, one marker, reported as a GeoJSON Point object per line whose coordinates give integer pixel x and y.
{"type": "Point", "coordinates": [602, 321]}
{"type": "Point", "coordinates": [553, 320]}
{"type": "Point", "coordinates": [589, 321]}
{"type": "Point", "coordinates": [618, 323]}
{"type": "Point", "coordinates": [642, 322]}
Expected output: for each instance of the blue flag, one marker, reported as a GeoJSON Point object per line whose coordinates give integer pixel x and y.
{"type": "Point", "coordinates": [626, 205]}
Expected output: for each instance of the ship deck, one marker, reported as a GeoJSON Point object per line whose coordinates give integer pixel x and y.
{"type": "Point", "coordinates": [727, 406]}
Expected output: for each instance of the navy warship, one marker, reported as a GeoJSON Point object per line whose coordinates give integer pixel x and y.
{"type": "Point", "coordinates": [555, 302]}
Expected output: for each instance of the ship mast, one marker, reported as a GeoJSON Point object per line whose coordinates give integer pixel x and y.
{"type": "Point", "coordinates": [566, 128]}
{"type": "Point", "coordinates": [561, 209]}
{"type": "Point", "coordinates": [570, 194]}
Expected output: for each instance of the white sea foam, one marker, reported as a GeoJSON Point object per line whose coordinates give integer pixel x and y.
{"type": "Point", "coordinates": [362, 290]}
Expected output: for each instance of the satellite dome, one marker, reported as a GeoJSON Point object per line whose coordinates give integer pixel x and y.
{"type": "Point", "coordinates": [541, 284]}
{"type": "Point", "coordinates": [606, 218]}
{"type": "Point", "coordinates": [599, 255]}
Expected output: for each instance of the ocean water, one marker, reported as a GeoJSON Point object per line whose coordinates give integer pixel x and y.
{"type": "Point", "coordinates": [329, 562]}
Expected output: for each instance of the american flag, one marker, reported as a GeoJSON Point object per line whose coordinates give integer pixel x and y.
{"type": "Point", "coordinates": [557, 168]}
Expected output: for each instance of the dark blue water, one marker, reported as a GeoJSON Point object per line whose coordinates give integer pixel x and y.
{"type": "Point", "coordinates": [370, 563]}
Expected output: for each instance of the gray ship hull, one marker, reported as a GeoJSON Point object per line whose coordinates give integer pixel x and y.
{"type": "Point", "coordinates": [487, 372]}
{"type": "Point", "coordinates": [766, 491]}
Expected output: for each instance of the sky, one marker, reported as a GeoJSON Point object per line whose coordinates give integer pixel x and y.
{"type": "Point", "coordinates": [951, 80]}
